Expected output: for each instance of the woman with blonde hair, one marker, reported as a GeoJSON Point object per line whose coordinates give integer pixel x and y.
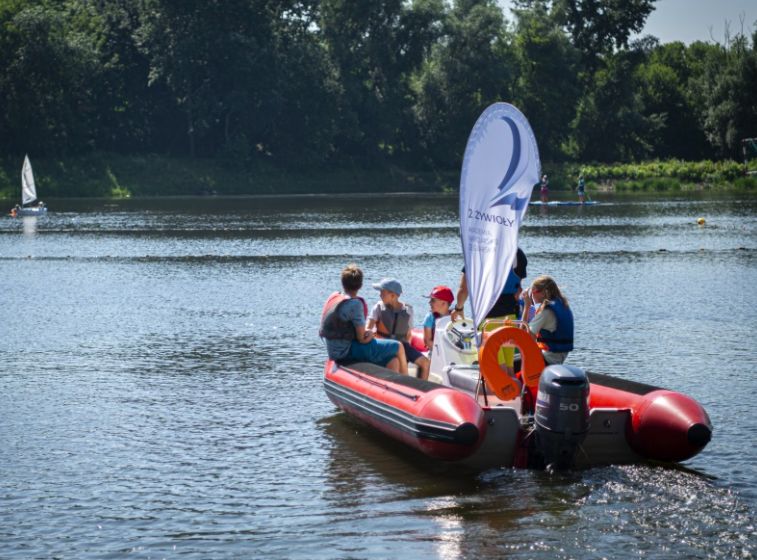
{"type": "Point", "coordinates": [552, 325]}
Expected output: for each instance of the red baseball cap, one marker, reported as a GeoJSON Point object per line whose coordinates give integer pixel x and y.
{"type": "Point", "coordinates": [443, 293]}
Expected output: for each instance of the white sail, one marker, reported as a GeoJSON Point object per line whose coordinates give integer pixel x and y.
{"type": "Point", "coordinates": [28, 189]}
{"type": "Point", "coordinates": [500, 168]}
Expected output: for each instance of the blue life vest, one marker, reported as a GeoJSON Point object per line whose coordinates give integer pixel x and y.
{"type": "Point", "coordinates": [561, 340]}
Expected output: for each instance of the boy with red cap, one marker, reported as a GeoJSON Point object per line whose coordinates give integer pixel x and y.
{"type": "Point", "coordinates": [441, 299]}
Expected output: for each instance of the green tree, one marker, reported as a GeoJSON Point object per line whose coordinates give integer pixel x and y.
{"type": "Point", "coordinates": [728, 85]}
{"type": "Point", "coordinates": [599, 27]}
{"type": "Point", "coordinates": [471, 67]}
{"type": "Point", "coordinates": [129, 112]}
{"type": "Point", "coordinates": [47, 68]}
{"type": "Point", "coordinates": [610, 124]}
{"type": "Point", "coordinates": [222, 61]}
{"type": "Point", "coordinates": [301, 125]}
{"type": "Point", "coordinates": [376, 45]}
{"type": "Point", "coordinates": [663, 82]}
{"type": "Point", "coordinates": [547, 86]}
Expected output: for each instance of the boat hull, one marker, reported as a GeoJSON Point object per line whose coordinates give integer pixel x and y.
{"type": "Point", "coordinates": [40, 211]}
{"type": "Point", "coordinates": [629, 422]}
{"type": "Point", "coordinates": [438, 421]}
{"type": "Point", "coordinates": [664, 425]}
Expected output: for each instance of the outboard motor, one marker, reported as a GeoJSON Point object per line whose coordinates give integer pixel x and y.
{"type": "Point", "coordinates": [562, 414]}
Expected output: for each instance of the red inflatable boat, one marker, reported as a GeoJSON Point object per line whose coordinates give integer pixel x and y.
{"type": "Point", "coordinates": [478, 414]}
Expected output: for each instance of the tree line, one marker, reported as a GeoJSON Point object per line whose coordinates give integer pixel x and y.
{"type": "Point", "coordinates": [316, 83]}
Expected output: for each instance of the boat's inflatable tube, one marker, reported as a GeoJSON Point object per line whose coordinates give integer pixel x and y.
{"type": "Point", "coordinates": [441, 422]}
{"type": "Point", "coordinates": [416, 340]}
{"type": "Point", "coordinates": [665, 425]}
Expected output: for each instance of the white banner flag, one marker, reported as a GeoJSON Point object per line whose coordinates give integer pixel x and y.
{"type": "Point", "coordinates": [500, 168]}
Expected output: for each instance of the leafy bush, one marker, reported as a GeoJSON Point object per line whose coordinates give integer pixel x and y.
{"type": "Point", "coordinates": [746, 183]}
{"type": "Point", "coordinates": [649, 175]}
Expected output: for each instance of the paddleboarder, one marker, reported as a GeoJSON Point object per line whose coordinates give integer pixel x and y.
{"type": "Point", "coordinates": [581, 189]}
{"type": "Point", "coordinates": [544, 191]}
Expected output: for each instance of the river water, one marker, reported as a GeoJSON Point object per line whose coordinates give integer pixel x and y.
{"type": "Point", "coordinates": [161, 395]}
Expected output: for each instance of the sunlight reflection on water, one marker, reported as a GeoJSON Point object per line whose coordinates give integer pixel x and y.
{"type": "Point", "coordinates": [162, 394]}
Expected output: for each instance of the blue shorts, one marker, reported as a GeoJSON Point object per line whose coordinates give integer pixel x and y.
{"type": "Point", "coordinates": [378, 351]}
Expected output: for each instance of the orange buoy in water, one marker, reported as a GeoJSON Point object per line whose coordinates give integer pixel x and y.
{"type": "Point", "coordinates": [700, 221]}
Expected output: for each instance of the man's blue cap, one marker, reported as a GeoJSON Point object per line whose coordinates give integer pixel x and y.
{"type": "Point", "coordinates": [389, 284]}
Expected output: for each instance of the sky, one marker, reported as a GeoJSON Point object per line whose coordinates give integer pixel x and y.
{"type": "Point", "coordinates": [695, 20]}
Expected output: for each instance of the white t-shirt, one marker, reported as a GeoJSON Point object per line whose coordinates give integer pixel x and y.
{"type": "Point", "coordinates": [547, 320]}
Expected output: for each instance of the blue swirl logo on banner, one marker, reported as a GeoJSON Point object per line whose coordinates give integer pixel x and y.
{"type": "Point", "coordinates": [500, 168]}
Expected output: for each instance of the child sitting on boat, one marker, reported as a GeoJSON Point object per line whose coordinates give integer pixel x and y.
{"type": "Point", "coordinates": [552, 325]}
{"type": "Point", "coordinates": [343, 328]}
{"type": "Point", "coordinates": [440, 300]}
{"type": "Point", "coordinates": [394, 319]}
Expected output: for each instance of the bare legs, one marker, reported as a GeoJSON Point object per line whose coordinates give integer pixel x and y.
{"type": "Point", "coordinates": [399, 362]}
{"type": "Point", "coordinates": [423, 367]}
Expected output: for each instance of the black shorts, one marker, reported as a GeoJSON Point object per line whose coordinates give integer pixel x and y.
{"type": "Point", "coordinates": [411, 352]}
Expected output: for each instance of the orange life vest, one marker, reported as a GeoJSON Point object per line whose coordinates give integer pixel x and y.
{"type": "Point", "coordinates": [332, 326]}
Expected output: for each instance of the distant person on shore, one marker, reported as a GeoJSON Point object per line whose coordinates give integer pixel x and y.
{"type": "Point", "coordinates": [544, 190]}
{"type": "Point", "coordinates": [343, 328]}
{"type": "Point", "coordinates": [581, 189]}
{"type": "Point", "coordinates": [393, 319]}
{"type": "Point", "coordinates": [552, 325]}
{"type": "Point", "coordinates": [440, 300]}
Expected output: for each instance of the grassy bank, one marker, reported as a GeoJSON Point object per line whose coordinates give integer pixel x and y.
{"type": "Point", "coordinates": [112, 175]}
{"type": "Point", "coordinates": [655, 176]}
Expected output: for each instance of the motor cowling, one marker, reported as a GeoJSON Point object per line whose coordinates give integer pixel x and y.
{"type": "Point", "coordinates": [562, 414]}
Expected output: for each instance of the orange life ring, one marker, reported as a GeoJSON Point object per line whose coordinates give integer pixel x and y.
{"type": "Point", "coordinates": [505, 386]}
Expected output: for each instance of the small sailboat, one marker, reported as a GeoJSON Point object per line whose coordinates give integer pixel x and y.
{"type": "Point", "coordinates": [28, 194]}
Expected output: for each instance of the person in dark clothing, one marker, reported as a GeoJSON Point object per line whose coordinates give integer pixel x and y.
{"type": "Point", "coordinates": [507, 303]}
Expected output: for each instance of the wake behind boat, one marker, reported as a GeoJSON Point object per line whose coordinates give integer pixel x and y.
{"type": "Point", "coordinates": [28, 194]}
{"type": "Point", "coordinates": [475, 408]}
